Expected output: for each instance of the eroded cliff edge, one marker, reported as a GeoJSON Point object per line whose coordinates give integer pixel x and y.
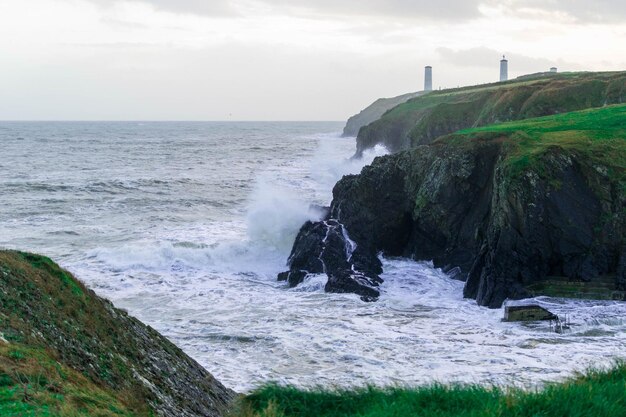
{"type": "Point", "coordinates": [66, 351]}
{"type": "Point", "coordinates": [374, 112]}
{"type": "Point", "coordinates": [505, 207]}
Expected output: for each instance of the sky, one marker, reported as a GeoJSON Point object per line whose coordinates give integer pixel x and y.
{"type": "Point", "coordinates": [280, 59]}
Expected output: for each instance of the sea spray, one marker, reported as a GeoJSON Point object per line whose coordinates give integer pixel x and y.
{"type": "Point", "coordinates": [328, 166]}
{"type": "Point", "coordinates": [278, 208]}
{"type": "Point", "coordinates": [276, 213]}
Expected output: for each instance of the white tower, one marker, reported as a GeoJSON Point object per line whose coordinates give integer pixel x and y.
{"type": "Point", "coordinates": [553, 69]}
{"type": "Point", "coordinates": [504, 69]}
{"type": "Point", "coordinates": [428, 79]}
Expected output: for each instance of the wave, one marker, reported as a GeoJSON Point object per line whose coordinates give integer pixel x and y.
{"type": "Point", "coordinates": [277, 208]}
{"type": "Point", "coordinates": [114, 186]}
{"type": "Point", "coordinates": [260, 242]}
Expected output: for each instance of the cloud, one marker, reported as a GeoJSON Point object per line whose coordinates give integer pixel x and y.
{"type": "Point", "coordinates": [488, 58]}
{"type": "Point", "coordinates": [194, 6]}
{"type": "Point", "coordinates": [198, 7]}
{"type": "Point", "coordinates": [437, 10]}
{"type": "Point", "coordinates": [586, 11]}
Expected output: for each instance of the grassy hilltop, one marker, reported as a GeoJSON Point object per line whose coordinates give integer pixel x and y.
{"type": "Point", "coordinates": [422, 119]}
{"type": "Point", "coordinates": [597, 134]}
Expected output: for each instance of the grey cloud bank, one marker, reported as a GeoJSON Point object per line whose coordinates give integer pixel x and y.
{"type": "Point", "coordinates": [276, 59]}
{"type": "Point", "coordinates": [582, 10]}
{"type": "Point", "coordinates": [439, 10]}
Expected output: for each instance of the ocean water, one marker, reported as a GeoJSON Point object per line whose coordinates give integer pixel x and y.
{"type": "Point", "coordinates": [186, 225]}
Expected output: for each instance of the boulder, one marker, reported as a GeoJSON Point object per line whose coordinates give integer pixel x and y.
{"type": "Point", "coordinates": [325, 247]}
{"type": "Point", "coordinates": [527, 313]}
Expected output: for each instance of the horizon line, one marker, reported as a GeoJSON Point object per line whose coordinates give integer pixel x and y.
{"type": "Point", "coordinates": [161, 121]}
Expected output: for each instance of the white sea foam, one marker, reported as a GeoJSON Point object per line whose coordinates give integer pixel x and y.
{"type": "Point", "coordinates": [197, 257]}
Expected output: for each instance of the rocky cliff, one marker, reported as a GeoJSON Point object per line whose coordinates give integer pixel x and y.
{"type": "Point", "coordinates": [65, 351]}
{"type": "Point", "coordinates": [423, 119]}
{"type": "Point", "coordinates": [504, 207]}
{"type": "Point", "coordinates": [374, 111]}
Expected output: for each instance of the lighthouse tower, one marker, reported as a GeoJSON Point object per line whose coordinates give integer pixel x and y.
{"type": "Point", "coordinates": [428, 78]}
{"type": "Point", "coordinates": [504, 69]}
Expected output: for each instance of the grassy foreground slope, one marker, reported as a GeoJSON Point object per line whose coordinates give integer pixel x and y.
{"type": "Point", "coordinates": [34, 383]}
{"type": "Point", "coordinates": [66, 352]}
{"type": "Point", "coordinates": [597, 394]}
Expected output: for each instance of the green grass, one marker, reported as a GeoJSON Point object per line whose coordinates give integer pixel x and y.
{"type": "Point", "coordinates": [39, 302]}
{"type": "Point", "coordinates": [597, 134]}
{"type": "Point", "coordinates": [604, 123]}
{"type": "Point", "coordinates": [422, 119]}
{"type": "Point", "coordinates": [66, 352]}
{"type": "Point", "coordinates": [46, 264]}
{"type": "Point", "coordinates": [33, 383]}
{"type": "Point", "coordinates": [596, 394]}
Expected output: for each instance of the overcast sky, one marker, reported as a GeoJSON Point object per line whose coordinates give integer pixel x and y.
{"type": "Point", "coordinates": [279, 59]}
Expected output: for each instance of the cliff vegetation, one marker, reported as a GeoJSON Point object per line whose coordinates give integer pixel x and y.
{"type": "Point", "coordinates": [66, 352]}
{"type": "Point", "coordinates": [423, 119]}
{"type": "Point", "coordinates": [374, 111]}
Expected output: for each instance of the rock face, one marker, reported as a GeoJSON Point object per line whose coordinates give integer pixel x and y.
{"type": "Point", "coordinates": [571, 226]}
{"type": "Point", "coordinates": [527, 313]}
{"type": "Point", "coordinates": [374, 111]}
{"type": "Point", "coordinates": [421, 120]}
{"type": "Point", "coordinates": [44, 307]}
{"type": "Point", "coordinates": [325, 248]}
{"type": "Point", "coordinates": [506, 214]}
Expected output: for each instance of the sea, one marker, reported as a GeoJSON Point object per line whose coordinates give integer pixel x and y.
{"type": "Point", "coordinates": [186, 224]}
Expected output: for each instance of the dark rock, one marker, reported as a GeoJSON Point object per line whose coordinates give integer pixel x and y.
{"type": "Point", "coordinates": [325, 247]}
{"type": "Point", "coordinates": [455, 273]}
{"type": "Point", "coordinates": [621, 271]}
{"type": "Point", "coordinates": [294, 278]}
{"type": "Point", "coordinates": [458, 205]}
{"type": "Point", "coordinates": [427, 204]}
{"type": "Point", "coordinates": [456, 200]}
{"type": "Point", "coordinates": [305, 256]}
{"type": "Point", "coordinates": [541, 230]}
{"type": "Point", "coordinates": [343, 281]}
{"type": "Point", "coordinates": [527, 313]}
